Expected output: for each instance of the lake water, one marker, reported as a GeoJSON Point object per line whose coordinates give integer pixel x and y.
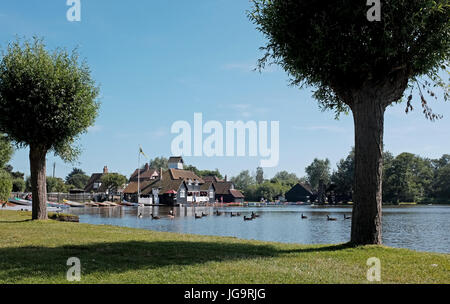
{"type": "Point", "coordinates": [422, 228]}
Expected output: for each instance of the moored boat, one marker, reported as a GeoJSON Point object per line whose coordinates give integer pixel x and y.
{"type": "Point", "coordinates": [73, 204]}
{"type": "Point", "coordinates": [22, 202]}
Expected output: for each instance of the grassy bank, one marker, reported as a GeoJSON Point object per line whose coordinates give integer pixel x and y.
{"type": "Point", "coordinates": [37, 252]}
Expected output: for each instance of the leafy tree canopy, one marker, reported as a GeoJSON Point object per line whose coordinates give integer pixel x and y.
{"type": "Point", "coordinates": [113, 181]}
{"type": "Point", "coordinates": [5, 185]}
{"type": "Point", "coordinates": [18, 185]}
{"type": "Point", "coordinates": [243, 180]}
{"type": "Point", "coordinates": [159, 162]}
{"type": "Point", "coordinates": [259, 175]}
{"type": "Point", "coordinates": [441, 184]}
{"type": "Point", "coordinates": [317, 171]}
{"type": "Point", "coordinates": [285, 178]}
{"type": "Point", "coordinates": [407, 178]}
{"type": "Point", "coordinates": [50, 94]}
{"type": "Point", "coordinates": [56, 185]}
{"type": "Point", "coordinates": [204, 173]}
{"type": "Point", "coordinates": [331, 45]}
{"type": "Point", "coordinates": [77, 178]}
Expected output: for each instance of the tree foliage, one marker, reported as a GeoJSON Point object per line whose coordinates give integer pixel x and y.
{"type": "Point", "coordinates": [407, 179]}
{"type": "Point", "coordinates": [441, 183]}
{"type": "Point", "coordinates": [47, 99]}
{"type": "Point", "coordinates": [159, 162]}
{"type": "Point", "coordinates": [331, 46]}
{"type": "Point", "coordinates": [113, 181]}
{"type": "Point", "coordinates": [243, 180]}
{"type": "Point", "coordinates": [18, 185]}
{"type": "Point", "coordinates": [5, 185]}
{"type": "Point", "coordinates": [56, 185]}
{"type": "Point", "coordinates": [343, 177]}
{"type": "Point", "coordinates": [77, 178]}
{"type": "Point", "coordinates": [216, 172]}
{"type": "Point", "coordinates": [259, 175]}
{"type": "Point", "coordinates": [270, 190]}
{"type": "Point", "coordinates": [6, 151]}
{"type": "Point", "coordinates": [52, 92]}
{"type": "Point", "coordinates": [319, 170]}
{"type": "Point", "coordinates": [285, 178]}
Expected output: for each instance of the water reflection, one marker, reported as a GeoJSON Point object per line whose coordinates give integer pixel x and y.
{"type": "Point", "coordinates": [423, 228]}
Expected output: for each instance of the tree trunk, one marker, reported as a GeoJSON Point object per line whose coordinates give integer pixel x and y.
{"type": "Point", "coordinates": [38, 182]}
{"type": "Point", "coordinates": [368, 113]}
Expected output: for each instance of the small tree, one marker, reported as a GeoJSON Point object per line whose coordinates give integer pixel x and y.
{"type": "Point", "coordinates": [113, 181]}
{"type": "Point", "coordinates": [359, 66]}
{"type": "Point", "coordinates": [47, 99]}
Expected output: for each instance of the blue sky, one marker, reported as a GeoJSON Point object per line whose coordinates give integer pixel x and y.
{"type": "Point", "coordinates": [160, 61]}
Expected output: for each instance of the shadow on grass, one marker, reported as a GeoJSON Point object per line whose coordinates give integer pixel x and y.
{"type": "Point", "coordinates": [14, 222]}
{"type": "Point", "coordinates": [117, 257]}
{"type": "Point", "coordinates": [331, 248]}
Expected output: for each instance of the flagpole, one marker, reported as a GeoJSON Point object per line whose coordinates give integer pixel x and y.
{"type": "Point", "coordinates": [139, 174]}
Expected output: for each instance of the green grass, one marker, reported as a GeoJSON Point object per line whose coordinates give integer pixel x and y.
{"type": "Point", "coordinates": [37, 252]}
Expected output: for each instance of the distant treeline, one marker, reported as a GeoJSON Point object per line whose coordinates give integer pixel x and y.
{"type": "Point", "coordinates": [407, 178]}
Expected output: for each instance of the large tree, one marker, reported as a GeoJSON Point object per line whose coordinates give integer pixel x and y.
{"type": "Point", "coordinates": [47, 99]}
{"type": "Point", "coordinates": [359, 66]}
{"type": "Point", "coordinates": [343, 177]}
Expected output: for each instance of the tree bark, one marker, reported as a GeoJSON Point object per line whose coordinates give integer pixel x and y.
{"type": "Point", "coordinates": [38, 182]}
{"type": "Point", "coordinates": [368, 113]}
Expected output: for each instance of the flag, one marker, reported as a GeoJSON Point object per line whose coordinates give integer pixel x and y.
{"type": "Point", "coordinates": [142, 152]}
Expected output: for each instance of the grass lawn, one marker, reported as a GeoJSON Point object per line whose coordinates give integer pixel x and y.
{"type": "Point", "coordinates": [37, 252]}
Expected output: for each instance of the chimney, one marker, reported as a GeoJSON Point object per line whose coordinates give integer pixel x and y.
{"type": "Point", "coordinates": [146, 167]}
{"type": "Point", "coordinates": [226, 178]}
{"type": "Point", "coordinates": [105, 170]}
{"type": "Point", "coordinates": [160, 173]}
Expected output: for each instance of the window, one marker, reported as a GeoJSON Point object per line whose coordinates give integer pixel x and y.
{"type": "Point", "coordinates": [182, 193]}
{"type": "Point", "coordinates": [211, 194]}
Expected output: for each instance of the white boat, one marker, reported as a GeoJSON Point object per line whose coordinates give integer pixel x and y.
{"type": "Point", "coordinates": [73, 204]}
{"type": "Point", "coordinates": [19, 201]}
